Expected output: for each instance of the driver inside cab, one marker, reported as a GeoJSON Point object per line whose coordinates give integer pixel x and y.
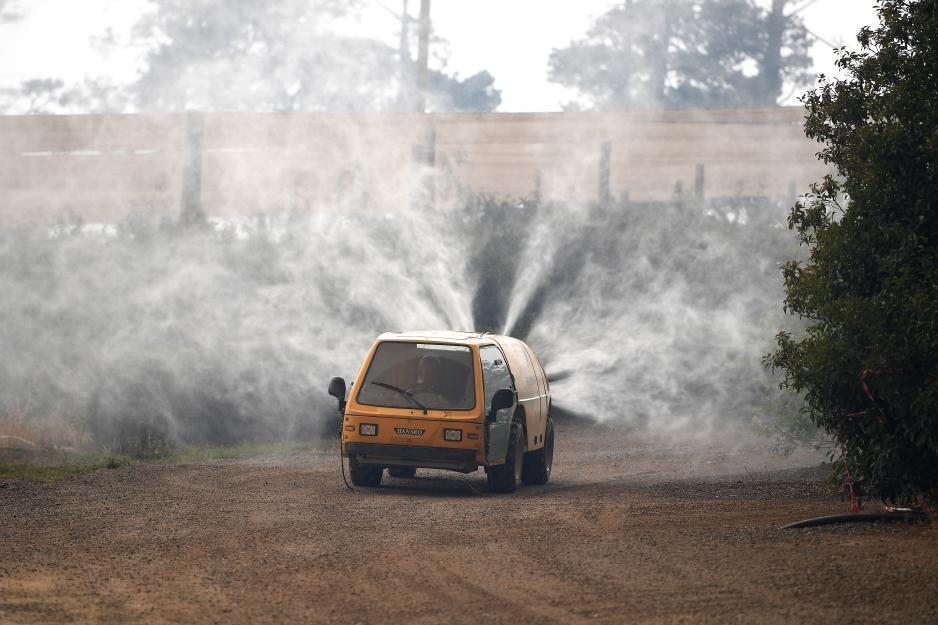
{"type": "Point", "coordinates": [428, 373]}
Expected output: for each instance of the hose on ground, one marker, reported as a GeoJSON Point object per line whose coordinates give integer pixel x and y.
{"type": "Point", "coordinates": [863, 517]}
{"type": "Point", "coordinates": [342, 464]}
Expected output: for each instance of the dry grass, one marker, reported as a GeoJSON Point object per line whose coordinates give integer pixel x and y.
{"type": "Point", "coordinates": [26, 434]}
{"type": "Point", "coordinates": [47, 448]}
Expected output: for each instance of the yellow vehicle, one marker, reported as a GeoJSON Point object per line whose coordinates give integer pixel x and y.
{"type": "Point", "coordinates": [448, 400]}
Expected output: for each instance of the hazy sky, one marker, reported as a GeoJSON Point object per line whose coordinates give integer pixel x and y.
{"type": "Point", "coordinates": [510, 38]}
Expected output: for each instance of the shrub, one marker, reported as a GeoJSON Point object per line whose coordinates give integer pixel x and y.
{"type": "Point", "coordinates": [868, 360]}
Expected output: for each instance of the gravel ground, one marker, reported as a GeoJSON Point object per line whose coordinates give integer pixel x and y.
{"type": "Point", "coordinates": [631, 529]}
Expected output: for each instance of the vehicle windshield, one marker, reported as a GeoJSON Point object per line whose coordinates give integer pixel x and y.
{"type": "Point", "coordinates": [423, 376]}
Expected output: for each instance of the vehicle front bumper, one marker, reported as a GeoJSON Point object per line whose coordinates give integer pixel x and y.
{"type": "Point", "coordinates": [462, 460]}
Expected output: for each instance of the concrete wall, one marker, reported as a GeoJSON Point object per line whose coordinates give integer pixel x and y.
{"type": "Point", "coordinates": [101, 167]}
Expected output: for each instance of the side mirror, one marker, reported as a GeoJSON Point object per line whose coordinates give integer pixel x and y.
{"type": "Point", "coordinates": [337, 388]}
{"type": "Point", "coordinates": [503, 398]}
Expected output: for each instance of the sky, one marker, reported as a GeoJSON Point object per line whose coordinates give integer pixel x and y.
{"type": "Point", "coordinates": [512, 39]}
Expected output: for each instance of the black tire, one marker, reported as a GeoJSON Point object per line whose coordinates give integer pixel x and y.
{"type": "Point", "coordinates": [404, 472]}
{"type": "Point", "coordinates": [538, 463]}
{"type": "Point", "coordinates": [505, 478]}
{"type": "Point", "coordinates": [367, 475]}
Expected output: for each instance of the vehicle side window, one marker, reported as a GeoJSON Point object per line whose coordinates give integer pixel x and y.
{"type": "Point", "coordinates": [495, 374]}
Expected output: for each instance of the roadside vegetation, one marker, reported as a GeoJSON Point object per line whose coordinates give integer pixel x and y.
{"type": "Point", "coordinates": [55, 466]}
{"type": "Point", "coordinates": [867, 362]}
{"type": "Point", "coordinates": [192, 453]}
{"type": "Point", "coordinates": [52, 465]}
{"type": "Point", "coordinates": [51, 449]}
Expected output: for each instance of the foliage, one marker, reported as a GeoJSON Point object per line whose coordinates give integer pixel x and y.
{"type": "Point", "coordinates": [782, 418]}
{"type": "Point", "coordinates": [191, 453]}
{"type": "Point", "coordinates": [285, 55]}
{"type": "Point", "coordinates": [685, 53]}
{"type": "Point", "coordinates": [868, 361]}
{"type": "Point", "coordinates": [52, 468]}
{"type": "Point", "coordinates": [52, 95]}
{"type": "Point", "coordinates": [241, 55]}
{"type": "Point", "coordinates": [245, 55]}
{"type": "Point", "coordinates": [475, 93]}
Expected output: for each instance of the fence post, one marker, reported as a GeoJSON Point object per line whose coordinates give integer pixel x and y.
{"type": "Point", "coordinates": [699, 183]}
{"type": "Point", "coordinates": [605, 163]}
{"type": "Point", "coordinates": [425, 157]}
{"type": "Point", "coordinates": [191, 212]}
{"type": "Point", "coordinates": [430, 141]}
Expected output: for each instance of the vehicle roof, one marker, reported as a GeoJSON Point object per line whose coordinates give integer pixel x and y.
{"type": "Point", "coordinates": [444, 336]}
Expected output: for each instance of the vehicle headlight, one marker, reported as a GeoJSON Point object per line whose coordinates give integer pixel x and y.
{"type": "Point", "coordinates": [452, 435]}
{"type": "Point", "coordinates": [368, 429]}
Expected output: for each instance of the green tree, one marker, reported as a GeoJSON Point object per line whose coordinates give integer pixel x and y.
{"type": "Point", "coordinates": [281, 55]}
{"type": "Point", "coordinates": [685, 53]}
{"type": "Point", "coordinates": [445, 92]}
{"type": "Point", "coordinates": [477, 93]}
{"type": "Point", "coordinates": [868, 360]}
{"type": "Point", "coordinates": [243, 55]}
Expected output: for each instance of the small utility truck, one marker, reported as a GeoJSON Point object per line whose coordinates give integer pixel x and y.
{"type": "Point", "coordinates": [448, 400]}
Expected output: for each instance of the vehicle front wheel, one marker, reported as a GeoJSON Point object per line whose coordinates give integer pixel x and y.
{"type": "Point", "coordinates": [404, 472]}
{"type": "Point", "coordinates": [538, 463]}
{"type": "Point", "coordinates": [505, 478]}
{"type": "Point", "coordinates": [367, 475]}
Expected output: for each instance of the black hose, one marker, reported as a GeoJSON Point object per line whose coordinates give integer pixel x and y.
{"type": "Point", "coordinates": [342, 464]}
{"type": "Point", "coordinates": [864, 517]}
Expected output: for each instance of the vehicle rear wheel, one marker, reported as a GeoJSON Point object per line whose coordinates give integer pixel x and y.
{"type": "Point", "coordinates": [402, 471]}
{"type": "Point", "coordinates": [368, 475]}
{"type": "Point", "coordinates": [538, 463]}
{"type": "Point", "coordinates": [505, 478]}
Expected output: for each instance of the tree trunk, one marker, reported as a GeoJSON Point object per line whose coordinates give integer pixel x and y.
{"type": "Point", "coordinates": [622, 91]}
{"type": "Point", "coordinates": [404, 42]}
{"type": "Point", "coordinates": [661, 61]}
{"type": "Point", "coordinates": [423, 56]}
{"type": "Point", "coordinates": [406, 101]}
{"type": "Point", "coordinates": [772, 62]}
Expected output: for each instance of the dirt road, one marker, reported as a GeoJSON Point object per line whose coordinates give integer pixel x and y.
{"type": "Point", "coordinates": [630, 530]}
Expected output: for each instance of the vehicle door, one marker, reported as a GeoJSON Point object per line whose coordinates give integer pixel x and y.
{"type": "Point", "coordinates": [495, 375]}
